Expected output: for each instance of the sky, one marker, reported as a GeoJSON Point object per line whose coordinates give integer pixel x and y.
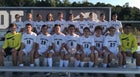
{"type": "Point", "coordinates": [132, 3]}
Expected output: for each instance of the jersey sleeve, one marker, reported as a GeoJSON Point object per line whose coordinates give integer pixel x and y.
{"type": "Point", "coordinates": [18, 41]}
{"type": "Point", "coordinates": [5, 44]}
{"type": "Point", "coordinates": [135, 45]}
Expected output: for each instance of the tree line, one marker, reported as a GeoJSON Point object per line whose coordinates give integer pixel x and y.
{"type": "Point", "coordinates": [124, 12]}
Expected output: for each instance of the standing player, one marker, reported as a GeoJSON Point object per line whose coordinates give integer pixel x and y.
{"type": "Point", "coordinates": [87, 47]}
{"type": "Point", "coordinates": [62, 22]}
{"type": "Point", "coordinates": [81, 24]}
{"type": "Point", "coordinates": [112, 48]}
{"type": "Point", "coordinates": [11, 45]}
{"type": "Point", "coordinates": [50, 23]}
{"type": "Point", "coordinates": [129, 45]}
{"type": "Point", "coordinates": [98, 39]}
{"type": "Point", "coordinates": [103, 23]}
{"type": "Point", "coordinates": [116, 23]}
{"type": "Point", "coordinates": [19, 23]}
{"type": "Point", "coordinates": [28, 45]}
{"type": "Point", "coordinates": [38, 23]}
{"type": "Point", "coordinates": [91, 23]}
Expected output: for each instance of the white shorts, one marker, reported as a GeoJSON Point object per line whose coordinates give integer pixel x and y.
{"type": "Point", "coordinates": [41, 51]}
{"type": "Point", "coordinates": [26, 51]}
{"type": "Point", "coordinates": [87, 51]}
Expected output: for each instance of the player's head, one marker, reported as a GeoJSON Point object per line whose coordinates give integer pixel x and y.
{"type": "Point", "coordinates": [112, 30]}
{"type": "Point", "coordinates": [98, 29]}
{"type": "Point", "coordinates": [29, 16]}
{"type": "Point", "coordinates": [127, 28]}
{"type": "Point", "coordinates": [44, 29]}
{"type": "Point", "coordinates": [71, 16]}
{"type": "Point", "coordinates": [39, 17]}
{"type": "Point", "coordinates": [12, 27]}
{"type": "Point", "coordinates": [28, 27]}
{"type": "Point", "coordinates": [49, 17]}
{"type": "Point", "coordinates": [86, 31]}
{"type": "Point", "coordinates": [114, 16]}
{"type": "Point", "coordinates": [102, 16]}
{"type": "Point", "coordinates": [17, 16]}
{"type": "Point", "coordinates": [81, 15]}
{"type": "Point", "coordinates": [91, 15]}
{"type": "Point", "coordinates": [71, 29]}
{"type": "Point", "coordinates": [57, 28]}
{"type": "Point", "coordinates": [60, 15]}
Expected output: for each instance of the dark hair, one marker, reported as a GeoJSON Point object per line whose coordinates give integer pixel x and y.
{"type": "Point", "coordinates": [57, 25]}
{"type": "Point", "coordinates": [86, 28]}
{"type": "Point", "coordinates": [28, 24]}
{"type": "Point", "coordinates": [71, 25]}
{"type": "Point", "coordinates": [102, 14]}
{"type": "Point", "coordinates": [127, 25]}
{"type": "Point", "coordinates": [91, 13]}
{"type": "Point", "coordinates": [38, 15]}
{"type": "Point", "coordinates": [44, 26]}
{"type": "Point", "coordinates": [112, 27]}
{"type": "Point", "coordinates": [17, 15]}
{"type": "Point", "coordinates": [48, 16]}
{"type": "Point", "coordinates": [98, 28]}
{"type": "Point", "coordinates": [114, 14]}
{"type": "Point", "coordinates": [12, 25]}
{"type": "Point", "coordinates": [60, 13]}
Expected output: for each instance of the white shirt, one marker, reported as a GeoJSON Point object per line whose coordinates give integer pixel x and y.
{"type": "Point", "coordinates": [19, 25]}
{"type": "Point", "coordinates": [38, 25]}
{"type": "Point", "coordinates": [44, 41]}
{"type": "Point", "coordinates": [63, 24]}
{"type": "Point", "coordinates": [29, 39]}
{"type": "Point", "coordinates": [91, 25]}
{"type": "Point", "coordinates": [104, 24]}
{"type": "Point", "coordinates": [72, 23]}
{"type": "Point", "coordinates": [27, 21]}
{"type": "Point", "coordinates": [81, 25]}
{"type": "Point", "coordinates": [112, 42]}
{"type": "Point", "coordinates": [50, 25]}
{"type": "Point", "coordinates": [117, 24]}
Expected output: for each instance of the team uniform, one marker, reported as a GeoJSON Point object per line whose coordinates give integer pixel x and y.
{"type": "Point", "coordinates": [104, 25]}
{"type": "Point", "coordinates": [81, 25]}
{"type": "Point", "coordinates": [38, 25]}
{"type": "Point", "coordinates": [99, 42]}
{"type": "Point", "coordinates": [72, 23]}
{"type": "Point", "coordinates": [71, 43]}
{"type": "Point", "coordinates": [19, 24]}
{"type": "Point", "coordinates": [28, 40]}
{"type": "Point", "coordinates": [30, 22]}
{"type": "Point", "coordinates": [117, 24]}
{"type": "Point", "coordinates": [87, 43]}
{"type": "Point", "coordinates": [63, 24]}
{"type": "Point", "coordinates": [91, 25]}
{"type": "Point", "coordinates": [112, 43]}
{"type": "Point", "coordinates": [50, 25]}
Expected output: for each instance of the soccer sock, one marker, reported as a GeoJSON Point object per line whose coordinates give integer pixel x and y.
{"type": "Point", "coordinates": [91, 64]}
{"type": "Point", "coordinates": [76, 63]}
{"type": "Point", "coordinates": [66, 63]}
{"type": "Point", "coordinates": [45, 61]}
{"type": "Point", "coordinates": [50, 62]}
{"type": "Point", "coordinates": [82, 64]}
{"type": "Point", "coordinates": [31, 65]}
{"type": "Point", "coordinates": [138, 67]}
{"type": "Point", "coordinates": [104, 65]}
{"type": "Point", "coordinates": [61, 63]}
{"type": "Point", "coordinates": [21, 65]}
{"type": "Point", "coordinates": [37, 61]}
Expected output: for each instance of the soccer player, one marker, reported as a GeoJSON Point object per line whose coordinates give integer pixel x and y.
{"type": "Point", "coordinates": [28, 45]}
{"type": "Point", "coordinates": [112, 48]}
{"type": "Point", "coordinates": [103, 23]}
{"type": "Point", "coordinates": [50, 23]}
{"type": "Point", "coordinates": [62, 22]}
{"type": "Point", "coordinates": [72, 40]}
{"type": "Point", "coordinates": [91, 23]}
{"type": "Point", "coordinates": [38, 23]}
{"type": "Point", "coordinates": [129, 45]}
{"type": "Point", "coordinates": [11, 45]}
{"type": "Point", "coordinates": [81, 24]}
{"type": "Point", "coordinates": [98, 39]}
{"type": "Point", "coordinates": [19, 23]}
{"type": "Point", "coordinates": [87, 47]}
{"type": "Point", "coordinates": [116, 23]}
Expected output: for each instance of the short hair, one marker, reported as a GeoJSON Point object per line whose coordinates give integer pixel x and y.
{"type": "Point", "coordinates": [38, 15]}
{"type": "Point", "coordinates": [44, 26]}
{"type": "Point", "coordinates": [102, 14]}
{"type": "Point", "coordinates": [114, 14]}
{"type": "Point", "coordinates": [57, 25]}
{"type": "Point", "coordinates": [91, 13]}
{"type": "Point", "coordinates": [112, 27]}
{"type": "Point", "coordinates": [28, 24]}
{"type": "Point", "coordinates": [71, 25]}
{"type": "Point", "coordinates": [127, 25]}
{"type": "Point", "coordinates": [86, 28]}
{"type": "Point", "coordinates": [17, 15]}
{"type": "Point", "coordinates": [98, 28]}
{"type": "Point", "coordinates": [60, 13]}
{"type": "Point", "coordinates": [12, 25]}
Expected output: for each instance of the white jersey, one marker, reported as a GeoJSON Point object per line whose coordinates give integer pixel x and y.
{"type": "Point", "coordinates": [58, 40]}
{"type": "Point", "coordinates": [104, 25]}
{"type": "Point", "coordinates": [31, 22]}
{"type": "Point", "coordinates": [99, 42]}
{"type": "Point", "coordinates": [19, 25]}
{"type": "Point", "coordinates": [38, 25]}
{"type": "Point", "coordinates": [81, 25]}
{"type": "Point", "coordinates": [91, 25]}
{"type": "Point", "coordinates": [112, 43]}
{"type": "Point", "coordinates": [44, 41]}
{"type": "Point", "coordinates": [117, 24]}
{"type": "Point", "coordinates": [72, 23]}
{"type": "Point", "coordinates": [72, 41]}
{"type": "Point", "coordinates": [50, 25]}
{"type": "Point", "coordinates": [63, 24]}
{"type": "Point", "coordinates": [86, 42]}
{"type": "Point", "coordinates": [29, 40]}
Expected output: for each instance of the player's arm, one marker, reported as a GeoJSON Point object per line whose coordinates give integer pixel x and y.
{"type": "Point", "coordinates": [19, 42]}
{"type": "Point", "coordinates": [134, 45]}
